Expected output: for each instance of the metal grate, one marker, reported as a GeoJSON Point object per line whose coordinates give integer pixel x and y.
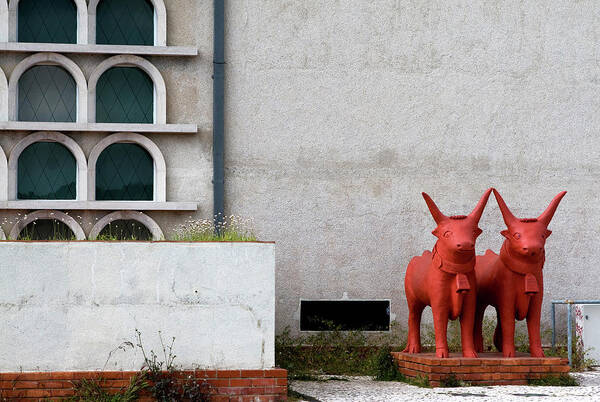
{"type": "Point", "coordinates": [125, 95]}
{"type": "Point", "coordinates": [47, 93]}
{"type": "Point", "coordinates": [120, 22]}
{"type": "Point", "coordinates": [47, 21]}
{"type": "Point", "coordinates": [125, 230]}
{"type": "Point", "coordinates": [46, 171]}
{"type": "Point", "coordinates": [125, 172]}
{"type": "Point", "coordinates": [46, 229]}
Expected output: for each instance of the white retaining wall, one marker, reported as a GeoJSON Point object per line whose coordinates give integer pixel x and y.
{"type": "Point", "coordinates": [66, 306]}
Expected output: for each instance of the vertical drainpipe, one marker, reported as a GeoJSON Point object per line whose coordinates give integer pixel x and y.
{"type": "Point", "coordinates": [218, 114]}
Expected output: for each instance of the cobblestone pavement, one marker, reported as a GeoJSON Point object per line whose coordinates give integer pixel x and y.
{"type": "Point", "coordinates": [364, 389]}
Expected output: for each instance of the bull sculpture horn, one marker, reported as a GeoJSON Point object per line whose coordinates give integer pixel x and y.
{"type": "Point", "coordinates": [478, 210]}
{"type": "Point", "coordinates": [508, 217]}
{"type": "Point", "coordinates": [438, 216]}
{"type": "Point", "coordinates": [547, 215]}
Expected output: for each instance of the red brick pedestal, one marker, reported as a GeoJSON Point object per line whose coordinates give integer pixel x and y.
{"type": "Point", "coordinates": [488, 369]}
{"type": "Point", "coordinates": [223, 385]}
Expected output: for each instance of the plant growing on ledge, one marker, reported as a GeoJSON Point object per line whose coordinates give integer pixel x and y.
{"type": "Point", "coordinates": [231, 228]}
{"type": "Point", "coordinates": [167, 383]}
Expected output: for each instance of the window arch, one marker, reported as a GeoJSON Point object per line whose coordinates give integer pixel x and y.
{"type": "Point", "coordinates": [47, 93]}
{"type": "Point", "coordinates": [124, 95]}
{"type": "Point", "coordinates": [124, 172]}
{"type": "Point", "coordinates": [3, 96]}
{"type": "Point", "coordinates": [41, 167]}
{"type": "Point", "coordinates": [54, 221]}
{"type": "Point", "coordinates": [3, 21]}
{"type": "Point", "coordinates": [68, 71]}
{"type": "Point", "coordinates": [141, 145]}
{"type": "Point", "coordinates": [48, 21]}
{"type": "Point", "coordinates": [46, 171]}
{"type": "Point", "coordinates": [127, 216]}
{"type": "Point", "coordinates": [159, 88]}
{"type": "Point", "coordinates": [131, 18]}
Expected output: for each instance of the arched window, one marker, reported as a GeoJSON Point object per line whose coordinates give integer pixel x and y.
{"type": "Point", "coordinates": [125, 171]}
{"type": "Point", "coordinates": [46, 171]}
{"type": "Point", "coordinates": [125, 95]}
{"type": "Point", "coordinates": [128, 22]}
{"type": "Point", "coordinates": [125, 230]}
{"type": "Point", "coordinates": [47, 93]}
{"type": "Point", "coordinates": [47, 21]}
{"type": "Point", "coordinates": [46, 229]}
{"type": "Point", "coordinates": [126, 225]}
{"type": "Point", "coordinates": [50, 225]}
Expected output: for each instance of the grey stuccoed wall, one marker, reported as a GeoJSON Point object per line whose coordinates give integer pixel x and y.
{"type": "Point", "coordinates": [341, 112]}
{"type": "Point", "coordinates": [70, 306]}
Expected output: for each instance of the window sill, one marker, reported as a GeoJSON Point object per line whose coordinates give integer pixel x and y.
{"type": "Point", "coordinates": [23, 47]}
{"type": "Point", "coordinates": [98, 205]}
{"type": "Point", "coordinates": [99, 127]}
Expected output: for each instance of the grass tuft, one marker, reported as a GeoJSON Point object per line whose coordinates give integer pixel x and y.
{"type": "Point", "coordinates": [231, 228]}
{"type": "Point", "coordinates": [564, 380]}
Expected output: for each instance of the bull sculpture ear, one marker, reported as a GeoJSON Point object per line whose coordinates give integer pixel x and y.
{"type": "Point", "coordinates": [436, 232]}
{"type": "Point", "coordinates": [478, 210]}
{"type": "Point", "coordinates": [547, 233]}
{"type": "Point", "coordinates": [505, 233]}
{"type": "Point", "coordinates": [478, 232]}
{"type": "Point", "coordinates": [438, 216]}
{"type": "Point", "coordinates": [508, 217]}
{"type": "Point", "coordinates": [547, 215]}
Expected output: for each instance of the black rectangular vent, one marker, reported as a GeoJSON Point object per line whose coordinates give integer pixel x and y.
{"type": "Point", "coordinates": [345, 315]}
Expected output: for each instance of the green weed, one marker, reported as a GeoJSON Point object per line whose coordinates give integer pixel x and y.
{"type": "Point", "coordinates": [87, 390]}
{"type": "Point", "coordinates": [564, 380]}
{"type": "Point", "coordinates": [165, 377]}
{"type": "Point", "coordinates": [332, 352]}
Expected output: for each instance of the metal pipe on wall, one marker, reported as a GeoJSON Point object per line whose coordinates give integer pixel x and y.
{"type": "Point", "coordinates": [218, 114]}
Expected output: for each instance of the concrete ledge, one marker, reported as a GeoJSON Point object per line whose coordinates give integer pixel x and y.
{"type": "Point", "coordinates": [22, 47]}
{"type": "Point", "coordinates": [99, 127]}
{"type": "Point", "coordinates": [99, 205]}
{"type": "Point", "coordinates": [66, 305]}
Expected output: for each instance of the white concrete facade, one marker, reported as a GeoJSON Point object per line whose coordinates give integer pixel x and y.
{"type": "Point", "coordinates": [65, 307]}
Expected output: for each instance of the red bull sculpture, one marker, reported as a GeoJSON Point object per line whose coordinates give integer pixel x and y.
{"type": "Point", "coordinates": [445, 280]}
{"type": "Point", "coordinates": [512, 282]}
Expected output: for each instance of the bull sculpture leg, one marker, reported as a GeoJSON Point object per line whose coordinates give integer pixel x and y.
{"type": "Point", "coordinates": [415, 311]}
{"type": "Point", "coordinates": [533, 326]}
{"type": "Point", "coordinates": [467, 323]}
{"type": "Point", "coordinates": [507, 330]}
{"type": "Point", "coordinates": [478, 328]}
{"type": "Point", "coordinates": [440, 325]}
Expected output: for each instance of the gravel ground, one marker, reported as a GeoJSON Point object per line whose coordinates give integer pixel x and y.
{"type": "Point", "coordinates": [364, 389]}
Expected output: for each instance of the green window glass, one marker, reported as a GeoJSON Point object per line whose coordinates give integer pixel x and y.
{"type": "Point", "coordinates": [47, 93]}
{"type": "Point", "coordinates": [125, 95]}
{"type": "Point", "coordinates": [46, 229]}
{"type": "Point", "coordinates": [125, 22]}
{"type": "Point", "coordinates": [125, 230]}
{"type": "Point", "coordinates": [46, 171]}
{"type": "Point", "coordinates": [125, 172]}
{"type": "Point", "coordinates": [47, 21]}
